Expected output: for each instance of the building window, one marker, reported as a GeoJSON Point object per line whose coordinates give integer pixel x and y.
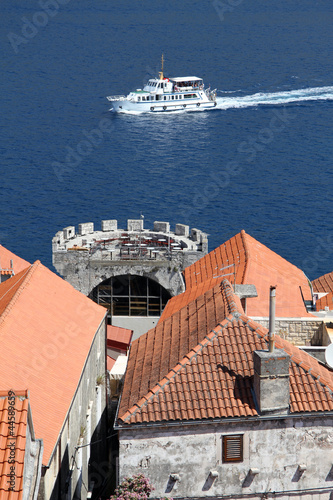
{"type": "Point", "coordinates": [232, 448]}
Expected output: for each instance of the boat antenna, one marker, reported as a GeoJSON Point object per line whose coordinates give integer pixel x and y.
{"type": "Point", "coordinates": [161, 72]}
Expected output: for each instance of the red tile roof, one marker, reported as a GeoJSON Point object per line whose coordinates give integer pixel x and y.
{"type": "Point", "coordinates": [5, 265]}
{"type": "Point", "coordinates": [326, 301]}
{"type": "Point", "coordinates": [118, 338]}
{"type": "Point", "coordinates": [246, 260]}
{"type": "Point", "coordinates": [198, 365]}
{"type": "Point", "coordinates": [12, 434]}
{"type": "Point", "coordinates": [323, 284]}
{"type": "Point", "coordinates": [155, 353]}
{"type": "Point", "coordinates": [110, 362]}
{"type": "Point", "coordinates": [46, 331]}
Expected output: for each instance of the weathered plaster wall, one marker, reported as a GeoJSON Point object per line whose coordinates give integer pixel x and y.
{"type": "Point", "coordinates": [298, 331]}
{"type": "Point", "coordinates": [276, 448]}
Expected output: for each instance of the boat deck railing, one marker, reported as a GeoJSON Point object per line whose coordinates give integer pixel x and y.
{"type": "Point", "coordinates": [116, 98]}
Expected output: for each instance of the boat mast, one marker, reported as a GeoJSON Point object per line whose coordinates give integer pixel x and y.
{"type": "Point", "coordinates": [161, 72]}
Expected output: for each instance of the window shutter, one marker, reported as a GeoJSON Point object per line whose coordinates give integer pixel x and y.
{"type": "Point", "coordinates": [233, 448]}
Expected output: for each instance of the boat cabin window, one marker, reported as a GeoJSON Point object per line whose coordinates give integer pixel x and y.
{"type": "Point", "coordinates": [189, 83]}
{"type": "Point", "coordinates": [139, 98]}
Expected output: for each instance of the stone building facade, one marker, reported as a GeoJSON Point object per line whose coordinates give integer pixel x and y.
{"type": "Point", "coordinates": [283, 458]}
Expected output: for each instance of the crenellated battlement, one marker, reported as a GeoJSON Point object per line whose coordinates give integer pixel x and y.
{"type": "Point", "coordinates": [85, 256]}
{"type": "Point", "coordinates": [126, 242]}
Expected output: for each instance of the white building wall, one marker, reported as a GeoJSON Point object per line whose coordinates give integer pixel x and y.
{"type": "Point", "coordinates": [275, 448]}
{"type": "Point", "coordinates": [139, 324]}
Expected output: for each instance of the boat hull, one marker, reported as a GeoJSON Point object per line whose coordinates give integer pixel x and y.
{"type": "Point", "coordinates": [160, 107]}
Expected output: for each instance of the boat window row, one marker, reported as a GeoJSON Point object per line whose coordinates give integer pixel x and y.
{"type": "Point", "coordinates": [181, 84]}
{"type": "Point", "coordinates": [158, 85]}
{"type": "Point", "coordinates": [167, 97]}
{"type": "Point", "coordinates": [193, 84]}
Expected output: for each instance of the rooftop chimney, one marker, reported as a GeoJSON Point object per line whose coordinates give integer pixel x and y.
{"type": "Point", "coordinates": [271, 371]}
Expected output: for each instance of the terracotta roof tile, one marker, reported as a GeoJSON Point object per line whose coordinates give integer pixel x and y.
{"type": "Point", "coordinates": [6, 256]}
{"type": "Point", "coordinates": [323, 284]}
{"type": "Point", "coordinates": [326, 301]}
{"type": "Point", "coordinates": [110, 362]}
{"type": "Point", "coordinates": [214, 378]}
{"type": "Point", "coordinates": [184, 331]}
{"type": "Point", "coordinates": [249, 262]}
{"type": "Point", "coordinates": [117, 337]}
{"type": "Point", "coordinates": [8, 434]}
{"type": "Point", "coordinates": [54, 329]}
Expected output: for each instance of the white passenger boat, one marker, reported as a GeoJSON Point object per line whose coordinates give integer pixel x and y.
{"type": "Point", "coordinates": [166, 94]}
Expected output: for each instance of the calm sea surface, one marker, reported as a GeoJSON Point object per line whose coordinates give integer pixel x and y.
{"type": "Point", "coordinates": [261, 161]}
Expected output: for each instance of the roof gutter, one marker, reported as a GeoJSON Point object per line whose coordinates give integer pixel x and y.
{"type": "Point", "coordinates": [234, 420]}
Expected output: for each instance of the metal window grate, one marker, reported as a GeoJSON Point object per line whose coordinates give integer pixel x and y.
{"type": "Point", "coordinates": [233, 448]}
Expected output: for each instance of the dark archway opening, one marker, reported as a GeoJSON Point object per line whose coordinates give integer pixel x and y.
{"type": "Point", "coordinates": [131, 295]}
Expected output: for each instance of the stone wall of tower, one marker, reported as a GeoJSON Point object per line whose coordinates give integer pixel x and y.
{"type": "Point", "coordinates": [84, 259]}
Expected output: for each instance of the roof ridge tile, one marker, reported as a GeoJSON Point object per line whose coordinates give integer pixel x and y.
{"type": "Point", "coordinates": [247, 254]}
{"type": "Point", "coordinates": [26, 276]}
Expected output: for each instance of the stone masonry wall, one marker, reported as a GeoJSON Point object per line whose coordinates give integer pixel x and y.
{"type": "Point", "coordinates": [289, 454]}
{"type": "Point", "coordinates": [88, 257]}
{"type": "Point", "coordinates": [298, 331]}
{"type": "Point", "coordinates": [85, 274]}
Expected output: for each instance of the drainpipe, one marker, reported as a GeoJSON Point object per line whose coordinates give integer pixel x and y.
{"type": "Point", "coordinates": [271, 332]}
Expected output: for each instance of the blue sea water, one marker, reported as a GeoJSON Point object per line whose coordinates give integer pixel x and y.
{"type": "Point", "coordinates": [261, 161]}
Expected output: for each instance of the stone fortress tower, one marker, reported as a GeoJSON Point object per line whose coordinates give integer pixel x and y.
{"type": "Point", "coordinates": [132, 272]}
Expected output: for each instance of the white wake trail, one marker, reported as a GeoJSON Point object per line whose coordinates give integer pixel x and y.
{"type": "Point", "coordinates": [284, 97]}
